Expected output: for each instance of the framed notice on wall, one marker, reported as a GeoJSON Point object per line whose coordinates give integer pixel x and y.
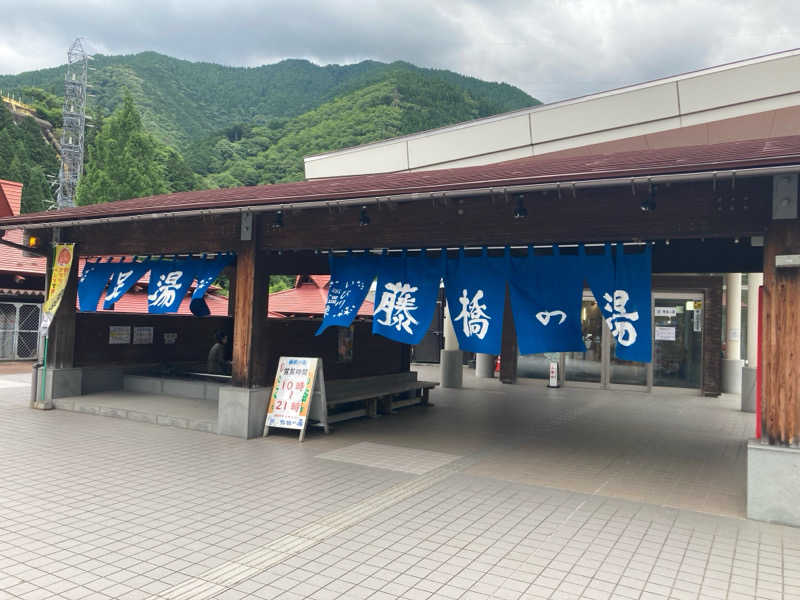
{"type": "Point", "coordinates": [345, 346]}
{"type": "Point", "coordinates": [143, 335]}
{"type": "Point", "coordinates": [298, 393]}
{"type": "Point", "coordinates": [119, 334]}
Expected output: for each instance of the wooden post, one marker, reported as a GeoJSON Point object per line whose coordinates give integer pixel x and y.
{"type": "Point", "coordinates": [250, 344]}
{"type": "Point", "coordinates": [780, 312]}
{"type": "Point", "coordinates": [230, 273]}
{"type": "Point", "coordinates": [508, 352]}
{"type": "Point", "coordinates": [61, 336]}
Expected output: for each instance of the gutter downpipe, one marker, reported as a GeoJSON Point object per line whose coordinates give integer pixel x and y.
{"type": "Point", "coordinates": [376, 200]}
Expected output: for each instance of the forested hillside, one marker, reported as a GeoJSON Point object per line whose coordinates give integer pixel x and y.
{"type": "Point", "coordinates": [405, 102]}
{"type": "Point", "coordinates": [182, 101]}
{"type": "Point", "coordinates": [160, 124]}
{"type": "Point", "coordinates": [26, 157]}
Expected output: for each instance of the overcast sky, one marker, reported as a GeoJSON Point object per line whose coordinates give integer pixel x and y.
{"type": "Point", "coordinates": [551, 49]}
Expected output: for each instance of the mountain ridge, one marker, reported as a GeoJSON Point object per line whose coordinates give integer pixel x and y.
{"type": "Point", "coordinates": [181, 100]}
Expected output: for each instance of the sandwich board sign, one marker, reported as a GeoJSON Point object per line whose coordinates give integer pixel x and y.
{"type": "Point", "coordinates": [298, 394]}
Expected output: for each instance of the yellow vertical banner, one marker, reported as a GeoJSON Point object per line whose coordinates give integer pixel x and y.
{"type": "Point", "coordinates": [62, 265]}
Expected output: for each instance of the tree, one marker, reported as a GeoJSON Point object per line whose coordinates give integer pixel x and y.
{"type": "Point", "coordinates": [36, 193]}
{"type": "Point", "coordinates": [179, 176]}
{"type": "Point", "coordinates": [123, 160]}
{"type": "Point", "coordinates": [26, 157]}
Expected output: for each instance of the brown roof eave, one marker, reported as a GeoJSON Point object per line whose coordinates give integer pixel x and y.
{"type": "Point", "coordinates": [749, 158]}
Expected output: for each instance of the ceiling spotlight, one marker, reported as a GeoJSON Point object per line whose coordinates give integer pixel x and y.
{"type": "Point", "coordinates": [363, 220]}
{"type": "Point", "coordinates": [649, 202]}
{"type": "Point", "coordinates": [520, 212]}
{"type": "Point", "coordinates": [736, 240]}
{"type": "Point", "coordinates": [666, 243]}
{"type": "Point", "coordinates": [278, 222]}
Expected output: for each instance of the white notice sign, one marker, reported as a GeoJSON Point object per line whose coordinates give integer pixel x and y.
{"type": "Point", "coordinates": [142, 335]}
{"type": "Point", "coordinates": [119, 334]}
{"type": "Point", "coordinates": [698, 320]}
{"type": "Point", "coordinates": [665, 334]}
{"type": "Point", "coordinates": [298, 384]}
{"type": "Point", "coordinates": [666, 311]}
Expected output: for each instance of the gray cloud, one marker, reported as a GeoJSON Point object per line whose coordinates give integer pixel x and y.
{"type": "Point", "coordinates": [551, 49]}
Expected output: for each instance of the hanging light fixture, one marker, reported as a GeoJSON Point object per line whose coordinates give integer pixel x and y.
{"type": "Point", "coordinates": [649, 202]}
{"type": "Point", "coordinates": [278, 222]}
{"type": "Point", "coordinates": [363, 220]}
{"type": "Point", "coordinates": [520, 212]}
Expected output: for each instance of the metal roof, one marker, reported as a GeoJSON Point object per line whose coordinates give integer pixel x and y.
{"type": "Point", "coordinates": [545, 169]}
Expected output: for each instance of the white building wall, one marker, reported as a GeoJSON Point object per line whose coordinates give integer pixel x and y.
{"type": "Point", "coordinates": [738, 89]}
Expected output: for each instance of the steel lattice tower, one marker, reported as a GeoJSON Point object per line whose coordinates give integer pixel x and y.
{"type": "Point", "coordinates": [74, 124]}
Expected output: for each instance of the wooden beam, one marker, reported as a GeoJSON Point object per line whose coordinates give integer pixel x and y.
{"type": "Point", "coordinates": [158, 236]}
{"type": "Point", "coordinates": [508, 353]}
{"type": "Point", "coordinates": [250, 339]}
{"type": "Point", "coordinates": [781, 330]}
{"type": "Point", "coordinates": [61, 335]}
{"type": "Point", "coordinates": [685, 211]}
{"type": "Point", "coordinates": [230, 273]}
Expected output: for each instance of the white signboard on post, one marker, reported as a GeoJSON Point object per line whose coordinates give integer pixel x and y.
{"type": "Point", "coordinates": [298, 394]}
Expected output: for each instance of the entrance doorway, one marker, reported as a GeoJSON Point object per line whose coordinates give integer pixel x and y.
{"type": "Point", "coordinates": [677, 347]}
{"type": "Point", "coordinates": [678, 340]}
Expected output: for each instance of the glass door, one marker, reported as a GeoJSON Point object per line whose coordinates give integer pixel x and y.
{"type": "Point", "coordinates": [625, 372]}
{"type": "Point", "coordinates": [678, 340]}
{"type": "Point", "coordinates": [587, 366]}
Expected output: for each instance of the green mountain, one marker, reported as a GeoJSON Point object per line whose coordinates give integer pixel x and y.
{"type": "Point", "coordinates": [163, 124]}
{"type": "Point", "coordinates": [404, 102]}
{"type": "Point", "coordinates": [181, 101]}
{"type": "Point", "coordinates": [26, 156]}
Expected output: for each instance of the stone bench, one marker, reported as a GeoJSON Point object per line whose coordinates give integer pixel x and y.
{"type": "Point", "coordinates": [180, 386]}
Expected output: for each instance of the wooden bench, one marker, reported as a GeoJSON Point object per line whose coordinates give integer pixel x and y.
{"type": "Point", "coordinates": [382, 393]}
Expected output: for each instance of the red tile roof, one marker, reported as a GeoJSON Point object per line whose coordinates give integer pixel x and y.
{"type": "Point", "coordinates": [135, 301]}
{"type": "Point", "coordinates": [523, 171]}
{"type": "Point", "coordinates": [13, 261]}
{"type": "Point", "coordinates": [10, 198]}
{"type": "Point", "coordinates": [308, 298]}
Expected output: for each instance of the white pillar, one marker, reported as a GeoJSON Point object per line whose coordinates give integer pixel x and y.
{"type": "Point", "coordinates": [450, 359]}
{"type": "Point", "coordinates": [732, 364]}
{"type": "Point", "coordinates": [450, 339]}
{"type": "Point", "coordinates": [754, 280]}
{"type": "Point", "coordinates": [733, 337]}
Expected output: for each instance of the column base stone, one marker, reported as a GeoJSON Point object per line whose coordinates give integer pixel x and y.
{"type": "Point", "coordinates": [732, 376]}
{"type": "Point", "coordinates": [484, 365]}
{"type": "Point", "coordinates": [451, 368]}
{"type": "Point", "coordinates": [773, 483]}
{"type": "Point", "coordinates": [59, 383]}
{"type": "Point", "coordinates": [241, 412]}
{"type": "Point", "coordinates": [748, 390]}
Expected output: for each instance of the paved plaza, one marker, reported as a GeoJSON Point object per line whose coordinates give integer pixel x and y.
{"type": "Point", "coordinates": [497, 491]}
